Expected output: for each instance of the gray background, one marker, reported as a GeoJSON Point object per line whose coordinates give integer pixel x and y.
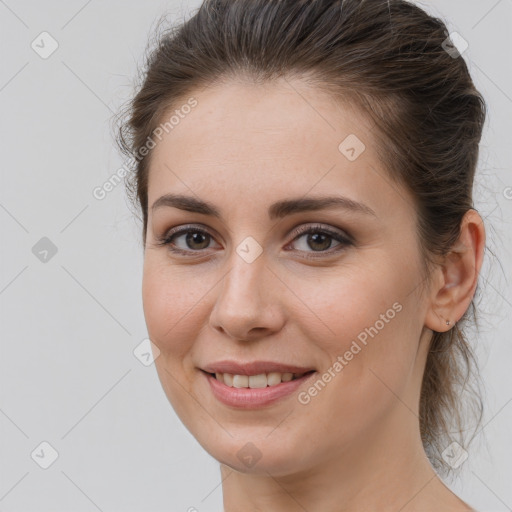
{"type": "Point", "coordinates": [69, 325]}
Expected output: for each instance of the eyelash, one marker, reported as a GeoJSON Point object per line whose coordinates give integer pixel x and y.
{"type": "Point", "coordinates": [345, 241]}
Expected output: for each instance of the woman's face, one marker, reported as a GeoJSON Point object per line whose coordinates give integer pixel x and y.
{"type": "Point", "coordinates": [244, 289]}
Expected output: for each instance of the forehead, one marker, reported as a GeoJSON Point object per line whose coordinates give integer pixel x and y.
{"type": "Point", "coordinates": [257, 141]}
{"type": "Point", "coordinates": [238, 118]}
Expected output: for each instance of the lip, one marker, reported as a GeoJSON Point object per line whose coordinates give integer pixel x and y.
{"type": "Point", "coordinates": [253, 367]}
{"type": "Point", "coordinates": [248, 398]}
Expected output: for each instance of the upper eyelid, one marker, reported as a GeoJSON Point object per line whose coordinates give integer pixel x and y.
{"type": "Point", "coordinates": [181, 230]}
{"type": "Point", "coordinates": [313, 226]}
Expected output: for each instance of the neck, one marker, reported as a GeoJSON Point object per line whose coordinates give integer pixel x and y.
{"type": "Point", "coordinates": [385, 470]}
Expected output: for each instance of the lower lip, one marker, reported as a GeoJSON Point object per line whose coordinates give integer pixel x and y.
{"type": "Point", "coordinates": [249, 398]}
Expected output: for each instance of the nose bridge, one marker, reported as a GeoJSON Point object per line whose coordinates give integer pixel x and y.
{"type": "Point", "coordinates": [241, 304]}
{"type": "Point", "coordinates": [241, 286]}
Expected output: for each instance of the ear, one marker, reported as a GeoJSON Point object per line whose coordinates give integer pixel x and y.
{"type": "Point", "coordinates": [457, 276]}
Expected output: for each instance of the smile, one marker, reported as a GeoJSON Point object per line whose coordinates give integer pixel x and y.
{"type": "Point", "coordinates": [256, 381]}
{"type": "Point", "coordinates": [254, 391]}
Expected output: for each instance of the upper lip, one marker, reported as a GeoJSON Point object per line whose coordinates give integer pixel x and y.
{"type": "Point", "coordinates": [253, 367]}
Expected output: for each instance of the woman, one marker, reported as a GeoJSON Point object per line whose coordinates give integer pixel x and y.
{"type": "Point", "coordinates": [304, 170]}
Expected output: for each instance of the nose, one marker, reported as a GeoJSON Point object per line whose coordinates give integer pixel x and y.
{"type": "Point", "coordinates": [248, 305]}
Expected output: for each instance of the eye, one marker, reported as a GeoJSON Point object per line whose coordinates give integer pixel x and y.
{"type": "Point", "coordinates": [317, 237]}
{"type": "Point", "coordinates": [193, 239]}
{"type": "Point", "coordinates": [320, 239]}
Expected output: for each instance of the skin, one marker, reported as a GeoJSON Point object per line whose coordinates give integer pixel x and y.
{"type": "Point", "coordinates": [356, 445]}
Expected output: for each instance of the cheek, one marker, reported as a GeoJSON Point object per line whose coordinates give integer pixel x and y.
{"type": "Point", "coordinates": [341, 304]}
{"type": "Point", "coordinates": [171, 312]}
{"type": "Point", "coordinates": [171, 306]}
{"type": "Point", "coordinates": [363, 316]}
{"type": "Point", "coordinates": [376, 344]}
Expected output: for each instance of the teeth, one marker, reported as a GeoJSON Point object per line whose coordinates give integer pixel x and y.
{"type": "Point", "coordinates": [274, 378]}
{"type": "Point", "coordinates": [228, 379]}
{"type": "Point", "coordinates": [256, 381]}
{"type": "Point", "coordinates": [240, 381]}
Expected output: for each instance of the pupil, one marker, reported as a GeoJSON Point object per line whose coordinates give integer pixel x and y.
{"type": "Point", "coordinates": [191, 238]}
{"type": "Point", "coordinates": [313, 238]}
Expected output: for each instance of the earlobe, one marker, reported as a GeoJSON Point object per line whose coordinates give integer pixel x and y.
{"type": "Point", "coordinates": [458, 275]}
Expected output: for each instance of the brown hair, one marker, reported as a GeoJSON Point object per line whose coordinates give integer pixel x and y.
{"type": "Point", "coordinates": [387, 57]}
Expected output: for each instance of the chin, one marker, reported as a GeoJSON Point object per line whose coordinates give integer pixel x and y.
{"type": "Point", "coordinates": [255, 452]}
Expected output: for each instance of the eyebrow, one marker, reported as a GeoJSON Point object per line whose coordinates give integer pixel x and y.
{"type": "Point", "coordinates": [277, 210]}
